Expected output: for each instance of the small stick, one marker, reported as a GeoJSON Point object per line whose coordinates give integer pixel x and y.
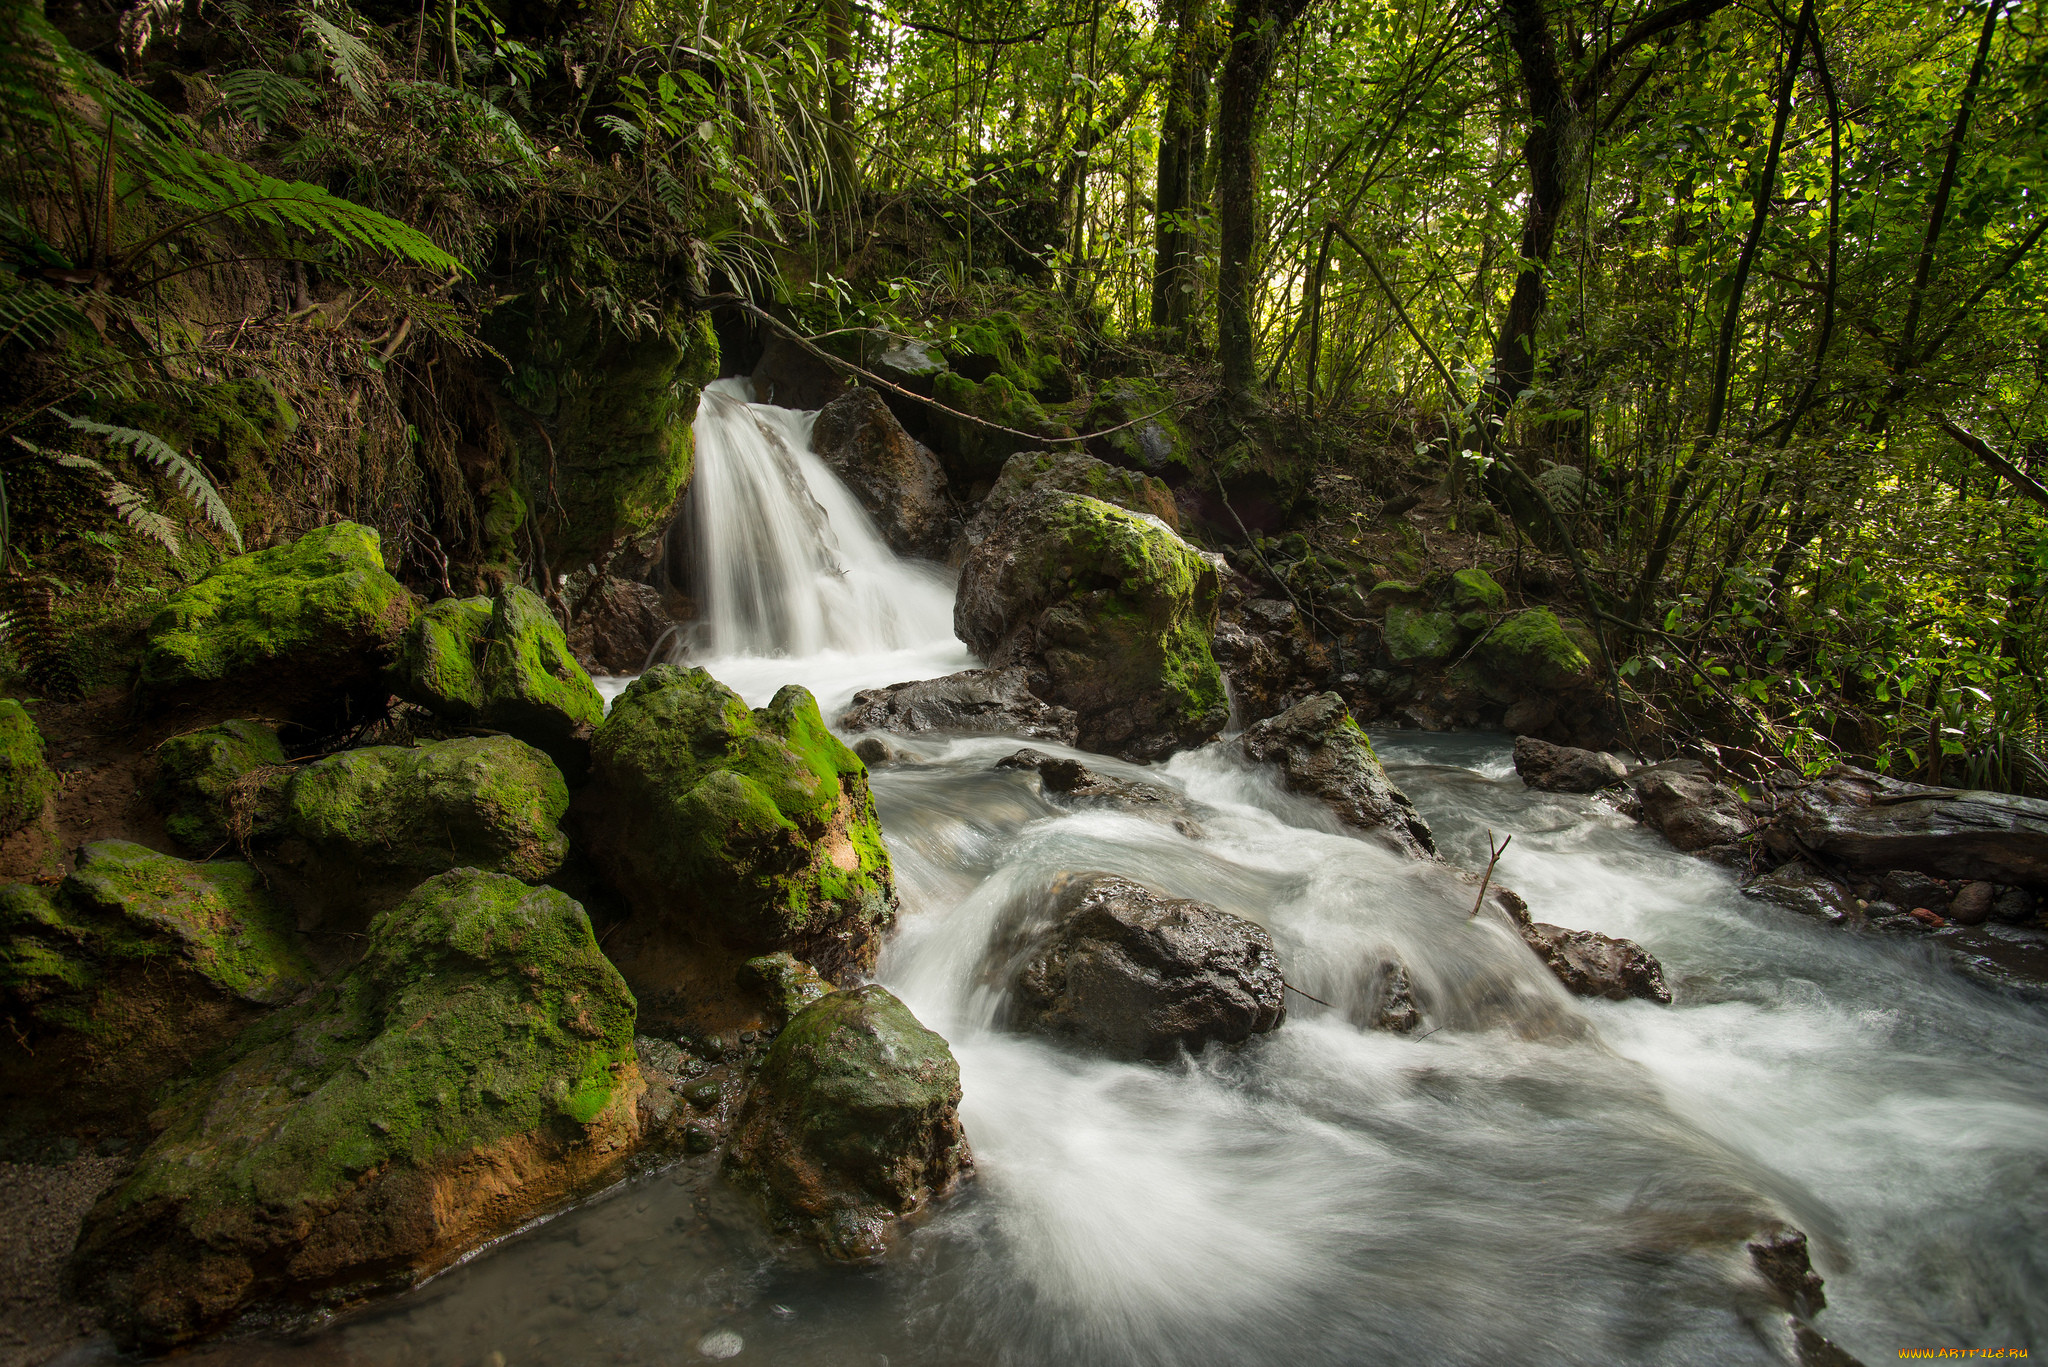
{"type": "Point", "coordinates": [1299, 993]}
{"type": "Point", "coordinates": [1487, 881]}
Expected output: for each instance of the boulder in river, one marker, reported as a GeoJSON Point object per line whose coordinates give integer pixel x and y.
{"type": "Point", "coordinates": [1115, 608]}
{"type": "Point", "coordinates": [299, 630]}
{"type": "Point", "coordinates": [476, 1066]}
{"type": "Point", "coordinates": [1801, 888]}
{"type": "Point", "coordinates": [1590, 964]}
{"type": "Point", "coordinates": [202, 774]}
{"type": "Point", "coordinates": [501, 664]}
{"type": "Point", "coordinates": [366, 825]}
{"type": "Point", "coordinates": [1865, 821]}
{"type": "Point", "coordinates": [25, 780]}
{"type": "Point", "coordinates": [1324, 755]}
{"type": "Point", "coordinates": [1137, 975]}
{"type": "Point", "coordinates": [852, 1124]}
{"type": "Point", "coordinates": [753, 828]}
{"type": "Point", "coordinates": [1693, 811]}
{"type": "Point", "coordinates": [897, 480]}
{"type": "Point", "coordinates": [1068, 781]}
{"type": "Point", "coordinates": [972, 701]}
{"type": "Point", "coordinates": [1562, 769]}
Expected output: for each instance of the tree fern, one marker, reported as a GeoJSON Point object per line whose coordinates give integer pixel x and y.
{"type": "Point", "coordinates": [190, 479]}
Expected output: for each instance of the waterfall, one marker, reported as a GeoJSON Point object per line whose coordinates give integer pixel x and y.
{"type": "Point", "coordinates": [787, 566]}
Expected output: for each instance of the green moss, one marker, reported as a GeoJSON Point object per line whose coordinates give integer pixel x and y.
{"type": "Point", "coordinates": [1414, 636]}
{"type": "Point", "coordinates": [486, 802]}
{"type": "Point", "coordinates": [758, 821]}
{"type": "Point", "coordinates": [325, 596]}
{"type": "Point", "coordinates": [1533, 650]}
{"type": "Point", "coordinates": [25, 780]}
{"type": "Point", "coordinates": [1475, 590]}
{"type": "Point", "coordinates": [1391, 591]}
{"type": "Point", "coordinates": [974, 451]}
{"type": "Point", "coordinates": [787, 982]}
{"type": "Point", "coordinates": [63, 949]}
{"type": "Point", "coordinates": [195, 772]}
{"type": "Point", "coordinates": [1149, 435]}
{"type": "Point", "coordinates": [501, 663]}
{"type": "Point", "coordinates": [481, 1010]}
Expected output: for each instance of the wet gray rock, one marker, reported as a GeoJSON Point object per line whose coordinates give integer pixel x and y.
{"type": "Point", "coordinates": [1797, 887]}
{"type": "Point", "coordinates": [895, 477]}
{"type": "Point", "coordinates": [1563, 769]}
{"type": "Point", "coordinates": [1386, 1000]}
{"type": "Point", "coordinates": [1690, 809]}
{"type": "Point", "coordinates": [2015, 906]}
{"type": "Point", "coordinates": [1134, 974]}
{"type": "Point", "coordinates": [974, 701]}
{"type": "Point", "coordinates": [1070, 782]}
{"type": "Point", "coordinates": [1972, 905]}
{"type": "Point", "coordinates": [1590, 964]}
{"type": "Point", "coordinates": [617, 626]}
{"type": "Point", "coordinates": [1325, 756]}
{"type": "Point", "coordinates": [1865, 821]}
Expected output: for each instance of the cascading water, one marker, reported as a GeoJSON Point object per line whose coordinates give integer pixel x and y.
{"type": "Point", "coordinates": [788, 565]}
{"type": "Point", "coordinates": [1537, 1180]}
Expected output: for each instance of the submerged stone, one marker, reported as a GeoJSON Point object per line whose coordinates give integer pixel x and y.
{"type": "Point", "coordinates": [852, 1124]}
{"type": "Point", "coordinates": [301, 628]}
{"type": "Point", "coordinates": [754, 828]}
{"type": "Point", "coordinates": [476, 1065]}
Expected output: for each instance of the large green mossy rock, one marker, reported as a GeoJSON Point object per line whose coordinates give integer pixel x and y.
{"type": "Point", "coordinates": [603, 417]}
{"type": "Point", "coordinates": [476, 1066]}
{"type": "Point", "coordinates": [66, 952]}
{"type": "Point", "coordinates": [501, 664]}
{"type": "Point", "coordinates": [754, 828]}
{"type": "Point", "coordinates": [973, 453]}
{"type": "Point", "coordinates": [25, 779]}
{"type": "Point", "coordinates": [300, 629]}
{"type": "Point", "coordinates": [198, 774]}
{"type": "Point", "coordinates": [1415, 636]}
{"type": "Point", "coordinates": [1533, 651]}
{"type": "Point", "coordinates": [852, 1123]}
{"type": "Point", "coordinates": [1074, 472]}
{"type": "Point", "coordinates": [1114, 606]}
{"type": "Point", "coordinates": [365, 824]}
{"type": "Point", "coordinates": [1141, 428]}
{"type": "Point", "coordinates": [1474, 590]}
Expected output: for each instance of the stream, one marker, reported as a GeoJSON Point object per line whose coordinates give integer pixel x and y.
{"type": "Point", "coordinates": [1531, 1178]}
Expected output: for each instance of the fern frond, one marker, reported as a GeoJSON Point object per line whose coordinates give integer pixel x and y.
{"type": "Point", "coordinates": [132, 506]}
{"type": "Point", "coordinates": [671, 193]}
{"type": "Point", "coordinates": [35, 314]}
{"type": "Point", "coordinates": [265, 98]}
{"type": "Point", "coordinates": [190, 479]}
{"type": "Point", "coordinates": [355, 62]}
{"type": "Point", "coordinates": [625, 130]}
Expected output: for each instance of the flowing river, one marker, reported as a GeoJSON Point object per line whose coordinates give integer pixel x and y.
{"type": "Point", "coordinates": [1531, 1179]}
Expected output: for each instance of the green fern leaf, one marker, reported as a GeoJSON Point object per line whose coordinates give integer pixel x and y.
{"type": "Point", "coordinates": [265, 98]}
{"type": "Point", "coordinates": [133, 507]}
{"type": "Point", "coordinates": [354, 61]}
{"type": "Point", "coordinates": [190, 479]}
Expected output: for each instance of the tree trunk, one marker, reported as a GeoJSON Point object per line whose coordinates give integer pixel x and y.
{"type": "Point", "coordinates": [1256, 29]}
{"type": "Point", "coordinates": [839, 98]}
{"type": "Point", "coordinates": [1183, 138]}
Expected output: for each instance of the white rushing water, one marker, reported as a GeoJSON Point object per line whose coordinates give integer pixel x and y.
{"type": "Point", "coordinates": [1536, 1180]}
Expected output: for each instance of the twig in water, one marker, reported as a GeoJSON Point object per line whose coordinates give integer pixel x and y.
{"type": "Point", "coordinates": [1299, 993]}
{"type": "Point", "coordinates": [1485, 882]}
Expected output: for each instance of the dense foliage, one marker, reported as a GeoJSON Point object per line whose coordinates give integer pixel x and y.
{"type": "Point", "coordinates": [1753, 296]}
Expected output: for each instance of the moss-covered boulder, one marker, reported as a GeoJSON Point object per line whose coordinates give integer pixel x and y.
{"type": "Point", "coordinates": [1118, 611]}
{"type": "Point", "coordinates": [748, 828]}
{"type": "Point", "coordinates": [1533, 651]}
{"type": "Point", "coordinates": [1002, 344]}
{"type": "Point", "coordinates": [25, 779]}
{"type": "Point", "coordinates": [198, 773]}
{"type": "Point", "coordinates": [364, 825]}
{"type": "Point", "coordinates": [117, 979]}
{"type": "Point", "coordinates": [1073, 472]}
{"type": "Point", "coordinates": [602, 418]}
{"type": "Point", "coordinates": [501, 664]}
{"type": "Point", "coordinates": [299, 630]}
{"type": "Point", "coordinates": [476, 1066]}
{"type": "Point", "coordinates": [973, 452]}
{"type": "Point", "coordinates": [852, 1124]}
{"type": "Point", "coordinates": [1416, 636]}
{"type": "Point", "coordinates": [1474, 590]}
{"type": "Point", "coordinates": [1141, 428]}
{"type": "Point", "coordinates": [787, 983]}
